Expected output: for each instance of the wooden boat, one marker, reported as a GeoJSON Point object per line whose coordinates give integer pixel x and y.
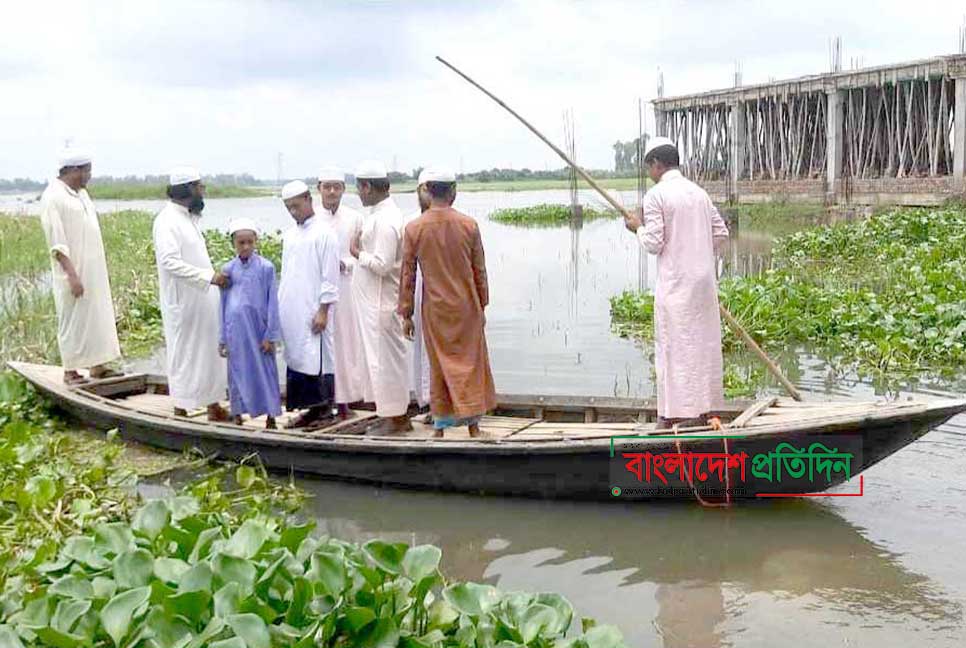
{"type": "Point", "coordinates": [541, 446]}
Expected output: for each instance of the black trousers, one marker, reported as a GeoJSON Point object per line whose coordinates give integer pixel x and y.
{"type": "Point", "coordinates": [303, 391]}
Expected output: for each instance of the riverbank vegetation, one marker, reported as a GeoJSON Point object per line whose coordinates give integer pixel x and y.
{"type": "Point", "coordinates": [225, 561]}
{"type": "Point", "coordinates": [547, 214]}
{"type": "Point", "coordinates": [128, 191]}
{"type": "Point", "coordinates": [881, 297]}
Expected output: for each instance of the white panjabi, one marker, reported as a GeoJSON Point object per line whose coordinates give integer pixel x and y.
{"type": "Point", "coordinates": [190, 307]}
{"type": "Point", "coordinates": [86, 331]}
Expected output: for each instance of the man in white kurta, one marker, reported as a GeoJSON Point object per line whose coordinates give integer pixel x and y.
{"type": "Point", "coordinates": [346, 222]}
{"type": "Point", "coordinates": [375, 292]}
{"type": "Point", "coordinates": [683, 228]}
{"type": "Point", "coordinates": [190, 302]}
{"type": "Point", "coordinates": [86, 330]}
{"type": "Point", "coordinates": [307, 293]}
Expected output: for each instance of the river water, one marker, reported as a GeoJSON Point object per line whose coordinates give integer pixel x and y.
{"type": "Point", "coordinates": [883, 569]}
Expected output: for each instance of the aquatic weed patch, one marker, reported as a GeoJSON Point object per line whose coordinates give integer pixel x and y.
{"type": "Point", "coordinates": [547, 214]}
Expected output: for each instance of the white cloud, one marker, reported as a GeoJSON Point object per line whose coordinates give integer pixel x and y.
{"type": "Point", "coordinates": [227, 86]}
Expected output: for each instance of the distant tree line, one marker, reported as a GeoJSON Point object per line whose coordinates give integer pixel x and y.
{"type": "Point", "coordinates": [220, 180]}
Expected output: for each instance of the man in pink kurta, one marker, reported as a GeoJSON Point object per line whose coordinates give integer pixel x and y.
{"type": "Point", "coordinates": [681, 226]}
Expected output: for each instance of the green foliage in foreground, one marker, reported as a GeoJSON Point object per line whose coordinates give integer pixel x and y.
{"type": "Point", "coordinates": [885, 296]}
{"type": "Point", "coordinates": [547, 214]}
{"type": "Point", "coordinates": [84, 563]}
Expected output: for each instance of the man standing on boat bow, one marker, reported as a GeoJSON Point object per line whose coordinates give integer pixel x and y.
{"type": "Point", "coordinates": [681, 226]}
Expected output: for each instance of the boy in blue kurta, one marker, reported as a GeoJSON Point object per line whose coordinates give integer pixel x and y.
{"type": "Point", "coordinates": [250, 329]}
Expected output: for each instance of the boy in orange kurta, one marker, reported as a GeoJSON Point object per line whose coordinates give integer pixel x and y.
{"type": "Point", "coordinates": [447, 246]}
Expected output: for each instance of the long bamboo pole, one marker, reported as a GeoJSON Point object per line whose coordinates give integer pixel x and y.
{"type": "Point", "coordinates": [747, 339]}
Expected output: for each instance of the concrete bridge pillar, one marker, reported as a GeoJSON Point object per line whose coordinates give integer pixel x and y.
{"type": "Point", "coordinates": [959, 134]}
{"type": "Point", "coordinates": [834, 140]}
{"type": "Point", "coordinates": [736, 148]}
{"type": "Point", "coordinates": [660, 123]}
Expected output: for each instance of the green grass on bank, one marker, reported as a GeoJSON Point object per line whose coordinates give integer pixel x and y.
{"type": "Point", "coordinates": [124, 191]}
{"type": "Point", "coordinates": [882, 296]}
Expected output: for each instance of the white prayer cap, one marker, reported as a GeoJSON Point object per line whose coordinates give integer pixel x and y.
{"type": "Point", "coordinates": [239, 224]}
{"type": "Point", "coordinates": [371, 170]}
{"type": "Point", "coordinates": [331, 174]}
{"type": "Point", "coordinates": [293, 189]}
{"type": "Point", "coordinates": [656, 142]}
{"type": "Point", "coordinates": [183, 175]}
{"type": "Point", "coordinates": [72, 157]}
{"type": "Point", "coordinates": [436, 174]}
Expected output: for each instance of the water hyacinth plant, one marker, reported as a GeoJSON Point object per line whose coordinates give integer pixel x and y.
{"type": "Point", "coordinates": [547, 214]}
{"type": "Point", "coordinates": [179, 575]}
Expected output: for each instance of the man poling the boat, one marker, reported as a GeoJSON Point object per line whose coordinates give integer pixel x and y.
{"type": "Point", "coordinates": [681, 226]}
{"type": "Point", "coordinates": [307, 296]}
{"type": "Point", "coordinates": [447, 246]}
{"type": "Point", "coordinates": [346, 222]}
{"type": "Point", "coordinates": [375, 293]}
{"type": "Point", "coordinates": [86, 330]}
{"type": "Point", "coordinates": [188, 293]}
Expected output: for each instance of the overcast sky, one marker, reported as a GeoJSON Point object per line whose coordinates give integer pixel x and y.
{"type": "Point", "coordinates": [228, 86]}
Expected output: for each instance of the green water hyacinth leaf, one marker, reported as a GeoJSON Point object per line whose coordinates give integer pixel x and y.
{"type": "Point", "coordinates": [67, 614]}
{"type": "Point", "coordinates": [297, 612]}
{"type": "Point", "coordinates": [536, 620]}
{"type": "Point", "coordinates": [202, 546]}
{"type": "Point", "coordinates": [9, 638]}
{"type": "Point", "coordinates": [114, 538]}
{"type": "Point", "coordinates": [57, 639]}
{"type": "Point", "coordinates": [421, 561]}
{"type": "Point", "coordinates": [182, 507]}
{"type": "Point", "coordinates": [245, 476]}
{"type": "Point", "coordinates": [133, 569]}
{"type": "Point", "coordinates": [104, 588]}
{"type": "Point", "coordinates": [170, 570]}
{"type": "Point", "coordinates": [247, 540]}
{"type": "Point", "coordinates": [228, 569]}
{"type": "Point", "coordinates": [565, 610]}
{"type": "Point", "coordinates": [234, 642]}
{"type": "Point", "coordinates": [39, 491]}
{"type": "Point", "coordinates": [382, 634]}
{"type": "Point", "coordinates": [387, 556]}
{"type": "Point", "coordinates": [71, 586]}
{"type": "Point", "coordinates": [328, 572]}
{"type": "Point", "coordinates": [190, 605]}
{"type": "Point", "coordinates": [166, 631]}
{"type": "Point", "coordinates": [227, 600]}
{"type": "Point", "coordinates": [359, 617]}
{"type": "Point", "coordinates": [198, 578]}
{"type": "Point", "coordinates": [81, 549]}
{"type": "Point", "coordinates": [473, 599]}
{"type": "Point", "coordinates": [293, 536]}
{"type": "Point", "coordinates": [603, 636]}
{"type": "Point", "coordinates": [121, 611]}
{"type": "Point", "coordinates": [151, 519]}
{"type": "Point", "coordinates": [251, 628]}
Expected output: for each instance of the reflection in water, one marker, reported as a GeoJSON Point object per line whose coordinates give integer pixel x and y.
{"type": "Point", "coordinates": [673, 571]}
